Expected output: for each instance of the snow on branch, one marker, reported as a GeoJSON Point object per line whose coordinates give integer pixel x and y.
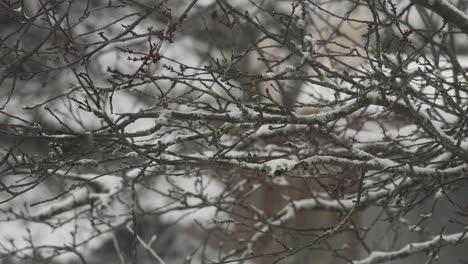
{"type": "Point", "coordinates": [241, 125]}
{"type": "Point", "coordinates": [280, 166]}
{"type": "Point", "coordinates": [249, 117]}
{"type": "Point", "coordinates": [323, 201]}
{"type": "Point", "coordinates": [417, 247]}
{"type": "Point", "coordinates": [103, 189]}
{"type": "Point", "coordinates": [421, 115]}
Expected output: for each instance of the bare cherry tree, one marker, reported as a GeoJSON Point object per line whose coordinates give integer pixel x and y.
{"type": "Point", "coordinates": [217, 131]}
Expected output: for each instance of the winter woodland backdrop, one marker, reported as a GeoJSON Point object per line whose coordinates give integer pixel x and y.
{"type": "Point", "coordinates": [218, 131]}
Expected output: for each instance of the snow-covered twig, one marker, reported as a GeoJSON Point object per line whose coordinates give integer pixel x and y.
{"type": "Point", "coordinates": [104, 187]}
{"type": "Point", "coordinates": [241, 117]}
{"type": "Point", "coordinates": [413, 248]}
{"type": "Point", "coordinates": [322, 201]}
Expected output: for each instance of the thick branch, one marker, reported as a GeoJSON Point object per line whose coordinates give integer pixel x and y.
{"type": "Point", "coordinates": [447, 11]}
